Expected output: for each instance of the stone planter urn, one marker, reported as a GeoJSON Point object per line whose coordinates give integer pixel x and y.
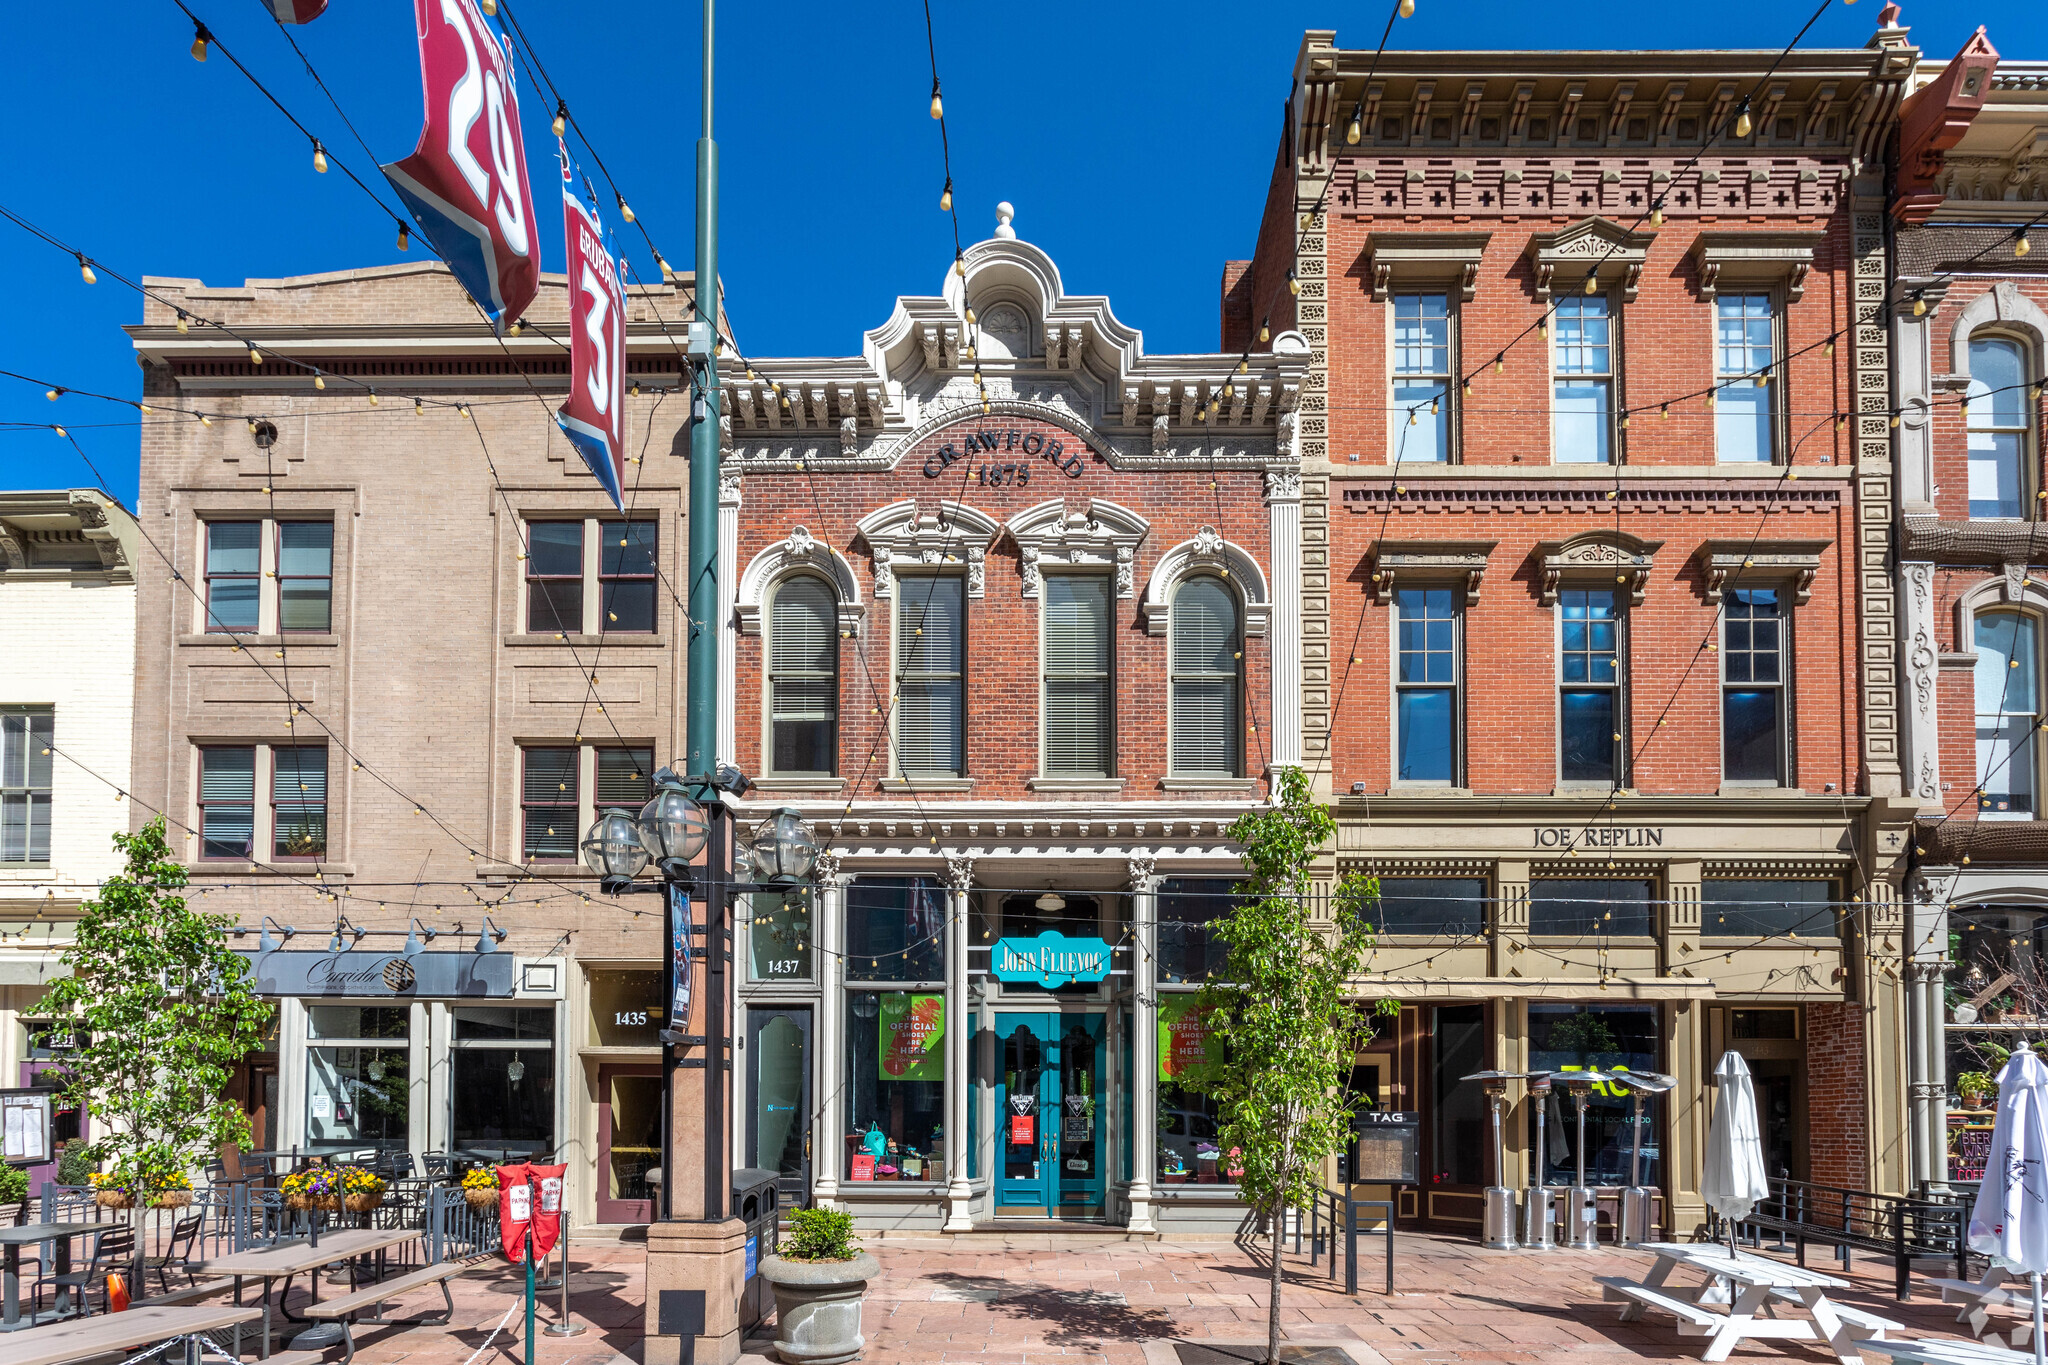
{"type": "Point", "coordinates": [817, 1307]}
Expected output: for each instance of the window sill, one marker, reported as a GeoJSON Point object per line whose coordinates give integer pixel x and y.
{"type": "Point", "coordinates": [282, 867]}
{"type": "Point", "coordinates": [927, 784]}
{"type": "Point", "coordinates": [800, 784]}
{"type": "Point", "coordinates": [618, 639]}
{"type": "Point", "coordinates": [1208, 784]}
{"type": "Point", "coordinates": [1074, 784]}
{"type": "Point", "coordinates": [1758, 789]}
{"type": "Point", "coordinates": [1427, 789]}
{"type": "Point", "coordinates": [223, 640]}
{"type": "Point", "coordinates": [1601, 789]}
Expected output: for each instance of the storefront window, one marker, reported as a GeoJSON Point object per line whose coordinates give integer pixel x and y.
{"type": "Point", "coordinates": [625, 1008]}
{"type": "Point", "coordinates": [1774, 908]}
{"type": "Point", "coordinates": [502, 1087]}
{"type": "Point", "coordinates": [1459, 1154]}
{"type": "Point", "coordinates": [1188, 1120]}
{"type": "Point", "coordinates": [1431, 905]}
{"type": "Point", "coordinates": [1566, 1038]}
{"type": "Point", "coordinates": [896, 1085]}
{"type": "Point", "coordinates": [1189, 949]}
{"type": "Point", "coordinates": [781, 936]}
{"type": "Point", "coordinates": [896, 929]}
{"type": "Point", "coordinates": [358, 1077]}
{"type": "Point", "coordinates": [1608, 906]}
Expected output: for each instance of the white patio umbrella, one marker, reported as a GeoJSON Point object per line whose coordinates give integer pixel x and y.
{"type": "Point", "coordinates": [1734, 1182]}
{"type": "Point", "coordinates": [2009, 1221]}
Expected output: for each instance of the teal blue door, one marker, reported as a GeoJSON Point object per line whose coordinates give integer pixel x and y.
{"type": "Point", "coordinates": [1051, 1110]}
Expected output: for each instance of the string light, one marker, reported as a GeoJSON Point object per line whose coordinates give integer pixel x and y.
{"type": "Point", "coordinates": [419, 409]}
{"type": "Point", "coordinates": [625, 209]}
{"type": "Point", "coordinates": [2021, 246]}
{"type": "Point", "coordinates": [200, 38]}
{"type": "Point", "coordinates": [404, 237]}
{"type": "Point", "coordinates": [373, 398]}
{"type": "Point", "coordinates": [1919, 306]}
{"type": "Point", "coordinates": [85, 270]}
{"type": "Point", "coordinates": [1657, 214]}
{"type": "Point", "coordinates": [184, 326]}
{"type": "Point", "coordinates": [561, 117]}
{"type": "Point", "coordinates": [255, 356]}
{"type": "Point", "coordinates": [1592, 281]}
{"type": "Point", "coordinates": [1265, 332]}
{"type": "Point", "coordinates": [1742, 123]}
{"type": "Point", "coordinates": [1293, 284]}
{"type": "Point", "coordinates": [53, 394]}
{"type": "Point", "coordinates": [938, 105]}
{"type": "Point", "coordinates": [1500, 361]}
{"type": "Point", "coordinates": [319, 157]}
{"type": "Point", "coordinates": [319, 381]}
{"type": "Point", "coordinates": [1407, 9]}
{"type": "Point", "coordinates": [1357, 128]}
{"type": "Point", "coordinates": [946, 196]}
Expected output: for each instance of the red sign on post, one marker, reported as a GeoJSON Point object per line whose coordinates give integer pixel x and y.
{"type": "Point", "coordinates": [515, 1209]}
{"type": "Point", "coordinates": [547, 1213]}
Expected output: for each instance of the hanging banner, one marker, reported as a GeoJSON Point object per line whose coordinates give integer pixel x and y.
{"type": "Point", "coordinates": [295, 11]}
{"type": "Point", "coordinates": [466, 181]}
{"type": "Point", "coordinates": [679, 959]}
{"type": "Point", "coordinates": [547, 1213]}
{"type": "Point", "coordinates": [594, 418]}
{"type": "Point", "coordinates": [913, 1037]}
{"type": "Point", "coordinates": [515, 1210]}
{"type": "Point", "coordinates": [1183, 1035]}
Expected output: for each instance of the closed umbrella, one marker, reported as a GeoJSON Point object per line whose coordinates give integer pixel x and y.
{"type": "Point", "coordinates": [1734, 1182]}
{"type": "Point", "coordinates": [2009, 1222]}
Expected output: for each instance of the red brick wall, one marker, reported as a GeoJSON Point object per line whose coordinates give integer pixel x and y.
{"type": "Point", "coordinates": [1837, 1124]}
{"type": "Point", "coordinates": [1003, 681]}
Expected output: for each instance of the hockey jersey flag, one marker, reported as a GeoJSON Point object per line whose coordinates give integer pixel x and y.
{"type": "Point", "coordinates": [296, 11]}
{"type": "Point", "coordinates": [594, 418]}
{"type": "Point", "coordinates": [466, 181]}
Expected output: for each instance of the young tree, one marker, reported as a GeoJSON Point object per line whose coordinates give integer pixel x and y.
{"type": "Point", "coordinates": [1282, 1035]}
{"type": "Point", "coordinates": [166, 1010]}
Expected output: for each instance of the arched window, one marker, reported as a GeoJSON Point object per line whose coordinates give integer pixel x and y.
{"type": "Point", "coordinates": [1207, 680]}
{"type": "Point", "coordinates": [803, 678]}
{"type": "Point", "coordinates": [2008, 713]}
{"type": "Point", "coordinates": [1999, 410]}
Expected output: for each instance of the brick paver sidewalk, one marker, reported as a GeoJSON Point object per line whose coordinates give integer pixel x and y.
{"type": "Point", "coordinates": [994, 1301]}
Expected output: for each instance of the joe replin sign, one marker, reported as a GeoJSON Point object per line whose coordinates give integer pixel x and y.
{"type": "Point", "coordinates": [1050, 959]}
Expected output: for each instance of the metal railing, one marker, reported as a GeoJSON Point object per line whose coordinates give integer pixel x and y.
{"type": "Point", "coordinates": [1332, 1225]}
{"type": "Point", "coordinates": [1902, 1227]}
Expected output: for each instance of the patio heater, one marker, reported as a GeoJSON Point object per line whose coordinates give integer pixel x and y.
{"type": "Point", "coordinates": [1582, 1228]}
{"type": "Point", "coordinates": [1498, 1216]}
{"type": "Point", "coordinates": [1537, 1234]}
{"type": "Point", "coordinates": [1639, 1201]}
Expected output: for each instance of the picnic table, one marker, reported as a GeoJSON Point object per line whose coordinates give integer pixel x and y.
{"type": "Point", "coordinates": [1917, 1352]}
{"type": "Point", "coordinates": [287, 1260]}
{"type": "Point", "coordinates": [13, 1239]}
{"type": "Point", "coordinates": [59, 1343]}
{"type": "Point", "coordinates": [1756, 1286]}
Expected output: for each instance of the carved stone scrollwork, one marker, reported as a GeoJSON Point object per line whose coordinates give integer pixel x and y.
{"type": "Point", "coordinates": [1207, 552]}
{"type": "Point", "coordinates": [849, 435]}
{"type": "Point", "coordinates": [1098, 533]}
{"type": "Point", "coordinates": [13, 555]}
{"type": "Point", "coordinates": [960, 874]}
{"type": "Point", "coordinates": [1922, 657]}
{"type": "Point", "coordinates": [1609, 558]}
{"type": "Point", "coordinates": [1143, 870]}
{"type": "Point", "coordinates": [798, 551]}
{"type": "Point", "coordinates": [1446, 561]}
{"type": "Point", "coordinates": [729, 485]}
{"type": "Point", "coordinates": [1726, 564]}
{"type": "Point", "coordinates": [828, 866]}
{"type": "Point", "coordinates": [1159, 423]}
{"type": "Point", "coordinates": [1283, 485]}
{"type": "Point", "coordinates": [904, 533]}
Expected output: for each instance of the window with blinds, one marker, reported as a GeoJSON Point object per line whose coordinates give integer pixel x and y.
{"type": "Point", "coordinates": [227, 802]}
{"type": "Point", "coordinates": [298, 800]}
{"type": "Point", "coordinates": [803, 678]}
{"type": "Point", "coordinates": [27, 736]}
{"type": "Point", "coordinates": [1207, 681]}
{"type": "Point", "coordinates": [548, 802]}
{"type": "Point", "coordinates": [625, 779]}
{"type": "Point", "coordinates": [1077, 727]}
{"type": "Point", "coordinates": [930, 651]}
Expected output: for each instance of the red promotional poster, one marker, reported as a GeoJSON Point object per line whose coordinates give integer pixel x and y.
{"type": "Point", "coordinates": [466, 181]}
{"type": "Point", "coordinates": [547, 1212]}
{"type": "Point", "coordinates": [863, 1167]}
{"type": "Point", "coordinates": [1020, 1130]}
{"type": "Point", "coordinates": [515, 1209]}
{"type": "Point", "coordinates": [295, 11]}
{"type": "Point", "coordinates": [594, 418]}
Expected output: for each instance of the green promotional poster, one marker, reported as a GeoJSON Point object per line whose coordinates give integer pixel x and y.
{"type": "Point", "coordinates": [913, 1037]}
{"type": "Point", "coordinates": [1183, 1036]}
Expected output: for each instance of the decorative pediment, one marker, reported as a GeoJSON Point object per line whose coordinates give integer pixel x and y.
{"type": "Point", "coordinates": [1082, 534]}
{"type": "Point", "coordinates": [1445, 259]}
{"type": "Point", "coordinates": [1429, 562]}
{"type": "Point", "coordinates": [1614, 255]}
{"type": "Point", "coordinates": [799, 551]}
{"type": "Point", "coordinates": [1726, 564]}
{"type": "Point", "coordinates": [1755, 259]}
{"type": "Point", "coordinates": [1208, 552]}
{"type": "Point", "coordinates": [902, 535]}
{"type": "Point", "coordinates": [1607, 558]}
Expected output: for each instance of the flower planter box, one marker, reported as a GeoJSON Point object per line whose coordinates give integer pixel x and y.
{"type": "Point", "coordinates": [481, 1199]}
{"type": "Point", "coordinates": [171, 1199]}
{"type": "Point", "coordinates": [113, 1199]}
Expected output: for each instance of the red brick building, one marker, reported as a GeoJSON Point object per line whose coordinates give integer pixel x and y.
{"type": "Point", "coordinates": [1595, 489]}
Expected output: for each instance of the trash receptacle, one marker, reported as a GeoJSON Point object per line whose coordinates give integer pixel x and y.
{"type": "Point", "coordinates": [756, 1201]}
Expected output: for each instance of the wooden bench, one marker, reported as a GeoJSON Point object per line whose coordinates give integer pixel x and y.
{"type": "Point", "coordinates": [1947, 1352]}
{"type": "Point", "coordinates": [1618, 1290]}
{"type": "Point", "coordinates": [191, 1293]}
{"type": "Point", "coordinates": [345, 1308]}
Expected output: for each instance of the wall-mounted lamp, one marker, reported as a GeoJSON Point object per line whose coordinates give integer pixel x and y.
{"type": "Point", "coordinates": [265, 943]}
{"type": "Point", "coordinates": [489, 937]}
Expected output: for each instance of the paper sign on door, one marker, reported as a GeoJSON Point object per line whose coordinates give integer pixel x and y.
{"type": "Point", "coordinates": [1020, 1130]}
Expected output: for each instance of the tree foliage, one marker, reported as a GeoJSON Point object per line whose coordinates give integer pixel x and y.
{"type": "Point", "coordinates": [1282, 1035]}
{"type": "Point", "coordinates": [166, 1010]}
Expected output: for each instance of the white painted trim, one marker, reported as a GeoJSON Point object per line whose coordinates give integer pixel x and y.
{"type": "Point", "coordinates": [799, 551]}
{"type": "Point", "coordinates": [2003, 308]}
{"type": "Point", "coordinates": [950, 532]}
{"type": "Point", "coordinates": [1207, 552]}
{"type": "Point", "coordinates": [1098, 534]}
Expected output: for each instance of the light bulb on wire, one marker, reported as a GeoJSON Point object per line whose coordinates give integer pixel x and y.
{"type": "Point", "coordinates": [946, 196]}
{"type": "Point", "coordinates": [1357, 128]}
{"type": "Point", "coordinates": [561, 117]}
{"type": "Point", "coordinates": [938, 105]}
{"type": "Point", "coordinates": [2022, 246]}
{"type": "Point", "coordinates": [404, 237]}
{"type": "Point", "coordinates": [319, 157]}
{"type": "Point", "coordinates": [183, 324]}
{"type": "Point", "coordinates": [1407, 9]}
{"type": "Point", "coordinates": [1293, 284]}
{"type": "Point", "coordinates": [85, 270]}
{"type": "Point", "coordinates": [1742, 123]}
{"type": "Point", "coordinates": [625, 209]}
{"type": "Point", "coordinates": [200, 38]}
{"type": "Point", "coordinates": [1657, 214]}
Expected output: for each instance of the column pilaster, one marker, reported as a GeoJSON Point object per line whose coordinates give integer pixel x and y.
{"type": "Point", "coordinates": [1144, 1078]}
{"type": "Point", "coordinates": [959, 1192]}
{"type": "Point", "coordinates": [827, 1121]}
{"type": "Point", "coordinates": [1283, 509]}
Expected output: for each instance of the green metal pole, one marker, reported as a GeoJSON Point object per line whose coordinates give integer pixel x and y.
{"type": "Point", "coordinates": [701, 710]}
{"type": "Point", "coordinates": [529, 1284]}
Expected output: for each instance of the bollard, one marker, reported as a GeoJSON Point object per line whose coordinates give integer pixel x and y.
{"type": "Point", "coordinates": [565, 1328]}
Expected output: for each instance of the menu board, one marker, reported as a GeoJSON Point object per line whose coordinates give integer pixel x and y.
{"type": "Point", "coordinates": [25, 1126]}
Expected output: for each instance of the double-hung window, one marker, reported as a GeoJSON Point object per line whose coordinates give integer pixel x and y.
{"type": "Point", "coordinates": [305, 577]}
{"type": "Point", "coordinates": [1999, 421]}
{"type": "Point", "coordinates": [554, 577]}
{"type": "Point", "coordinates": [1582, 394]}
{"type": "Point", "coordinates": [550, 801]}
{"type": "Point", "coordinates": [234, 576]}
{"type": "Point", "coordinates": [626, 575]}
{"type": "Point", "coordinates": [1745, 357]}
{"type": "Point", "coordinates": [1589, 686]}
{"type": "Point", "coordinates": [234, 824]}
{"type": "Point", "coordinates": [1206, 682]}
{"type": "Point", "coordinates": [298, 800]}
{"type": "Point", "coordinates": [622, 560]}
{"type": "Point", "coordinates": [803, 678]}
{"type": "Point", "coordinates": [1426, 685]}
{"type": "Point", "coordinates": [930, 675]}
{"type": "Point", "coordinates": [1077, 671]}
{"type": "Point", "coordinates": [1422, 378]}
{"type": "Point", "coordinates": [27, 734]}
{"type": "Point", "coordinates": [2008, 706]}
{"type": "Point", "coordinates": [1753, 701]}
{"type": "Point", "coordinates": [298, 556]}
{"type": "Point", "coordinates": [227, 801]}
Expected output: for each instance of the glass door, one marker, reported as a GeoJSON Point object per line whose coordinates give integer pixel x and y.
{"type": "Point", "coordinates": [778, 1121]}
{"type": "Point", "coordinates": [628, 1142]}
{"type": "Point", "coordinates": [1052, 1111]}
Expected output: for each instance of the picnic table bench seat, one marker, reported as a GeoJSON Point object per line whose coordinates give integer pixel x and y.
{"type": "Point", "coordinates": [1616, 1289]}
{"type": "Point", "coordinates": [345, 1308]}
{"type": "Point", "coordinates": [1849, 1313]}
{"type": "Point", "coordinates": [188, 1293]}
{"type": "Point", "coordinates": [1927, 1352]}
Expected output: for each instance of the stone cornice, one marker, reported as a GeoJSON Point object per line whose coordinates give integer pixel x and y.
{"type": "Point", "coordinates": [1465, 187]}
{"type": "Point", "coordinates": [1480, 495]}
{"type": "Point", "coordinates": [1990, 544]}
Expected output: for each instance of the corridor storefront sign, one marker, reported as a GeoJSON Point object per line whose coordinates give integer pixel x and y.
{"type": "Point", "coordinates": [1183, 1035]}
{"type": "Point", "coordinates": [1050, 959]}
{"type": "Point", "coordinates": [913, 1037]}
{"type": "Point", "coordinates": [280, 973]}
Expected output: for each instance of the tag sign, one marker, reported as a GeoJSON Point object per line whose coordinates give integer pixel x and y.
{"type": "Point", "coordinates": [1050, 959]}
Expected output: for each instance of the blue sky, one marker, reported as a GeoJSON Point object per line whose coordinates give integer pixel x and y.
{"type": "Point", "coordinates": [1135, 140]}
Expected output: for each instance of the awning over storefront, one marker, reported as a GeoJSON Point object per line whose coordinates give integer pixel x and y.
{"type": "Point", "coordinates": [399, 975]}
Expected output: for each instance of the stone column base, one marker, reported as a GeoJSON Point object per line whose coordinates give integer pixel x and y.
{"type": "Point", "coordinates": [696, 1275]}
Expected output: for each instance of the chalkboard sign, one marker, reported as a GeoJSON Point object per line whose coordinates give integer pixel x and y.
{"type": "Point", "coordinates": [1386, 1148]}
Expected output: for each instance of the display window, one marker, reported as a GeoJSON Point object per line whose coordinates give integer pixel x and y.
{"type": "Point", "coordinates": [1608, 1038]}
{"type": "Point", "coordinates": [502, 1087]}
{"type": "Point", "coordinates": [358, 1077]}
{"type": "Point", "coordinates": [896, 1085]}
